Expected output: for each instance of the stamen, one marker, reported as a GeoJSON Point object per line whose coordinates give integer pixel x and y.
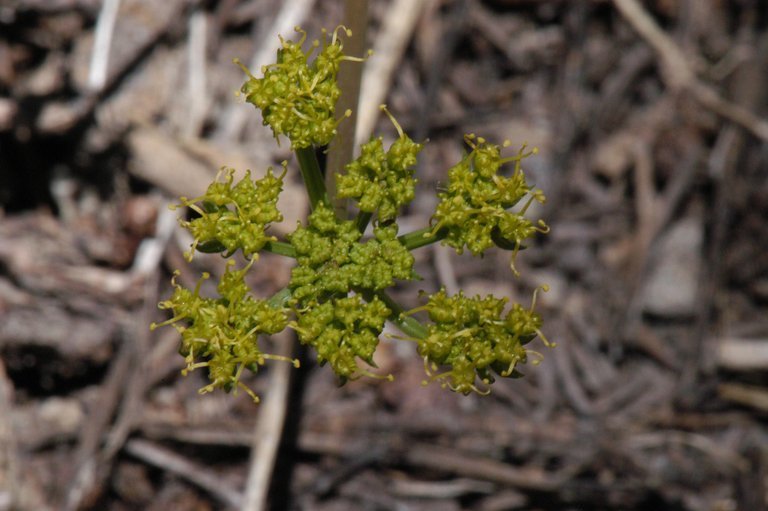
{"type": "Point", "coordinates": [365, 372]}
{"type": "Point", "coordinates": [303, 33]}
{"type": "Point", "coordinates": [481, 392]}
{"type": "Point", "coordinates": [547, 343]}
{"type": "Point", "coordinates": [248, 391]}
{"type": "Point", "coordinates": [544, 288]}
{"type": "Point", "coordinates": [247, 71]}
{"type": "Point", "coordinates": [399, 128]}
{"type": "Point", "coordinates": [238, 373]}
{"type": "Point", "coordinates": [539, 356]}
{"type": "Point", "coordinates": [192, 367]}
{"type": "Point", "coordinates": [335, 35]}
{"type": "Point", "coordinates": [300, 115]}
{"type": "Point", "coordinates": [293, 361]}
{"type": "Point", "coordinates": [415, 310]}
{"type": "Point", "coordinates": [515, 251]}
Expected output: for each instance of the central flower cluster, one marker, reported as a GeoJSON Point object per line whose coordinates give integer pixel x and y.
{"type": "Point", "coordinates": [331, 261]}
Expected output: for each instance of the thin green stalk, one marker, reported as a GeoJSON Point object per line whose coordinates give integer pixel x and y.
{"type": "Point", "coordinates": [280, 248]}
{"type": "Point", "coordinates": [421, 238]}
{"type": "Point", "coordinates": [362, 220]}
{"type": "Point", "coordinates": [312, 175]}
{"type": "Point", "coordinates": [408, 324]}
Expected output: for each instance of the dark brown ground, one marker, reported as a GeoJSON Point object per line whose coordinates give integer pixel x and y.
{"type": "Point", "coordinates": [655, 163]}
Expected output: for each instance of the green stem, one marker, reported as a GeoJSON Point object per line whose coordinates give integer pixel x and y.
{"type": "Point", "coordinates": [362, 220]}
{"type": "Point", "coordinates": [312, 175]}
{"type": "Point", "coordinates": [280, 248]}
{"type": "Point", "coordinates": [421, 238]}
{"type": "Point", "coordinates": [409, 325]}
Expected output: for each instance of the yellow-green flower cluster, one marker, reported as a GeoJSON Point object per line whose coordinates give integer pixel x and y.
{"type": "Point", "coordinates": [343, 330]}
{"type": "Point", "coordinates": [298, 99]}
{"type": "Point", "coordinates": [381, 180]}
{"type": "Point", "coordinates": [331, 259]}
{"type": "Point", "coordinates": [473, 339]}
{"type": "Point", "coordinates": [221, 334]}
{"type": "Point", "coordinates": [235, 217]}
{"type": "Point", "coordinates": [337, 299]}
{"type": "Point", "coordinates": [474, 209]}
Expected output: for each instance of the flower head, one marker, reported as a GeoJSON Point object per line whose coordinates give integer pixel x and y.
{"type": "Point", "coordinates": [343, 330]}
{"type": "Point", "coordinates": [332, 259]}
{"type": "Point", "coordinates": [221, 334]}
{"type": "Point", "coordinates": [233, 217]}
{"type": "Point", "coordinates": [298, 98]}
{"type": "Point", "coordinates": [474, 339]}
{"type": "Point", "coordinates": [381, 180]}
{"type": "Point", "coordinates": [474, 209]}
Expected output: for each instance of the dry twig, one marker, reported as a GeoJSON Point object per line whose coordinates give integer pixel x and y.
{"type": "Point", "coordinates": [269, 429]}
{"type": "Point", "coordinates": [388, 50]}
{"type": "Point", "coordinates": [170, 461]}
{"type": "Point", "coordinates": [679, 74]}
{"type": "Point", "coordinates": [102, 43]}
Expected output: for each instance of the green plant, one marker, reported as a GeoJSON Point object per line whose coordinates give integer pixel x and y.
{"type": "Point", "coordinates": [337, 299]}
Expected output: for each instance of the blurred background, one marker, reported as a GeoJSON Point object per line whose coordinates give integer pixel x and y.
{"type": "Point", "coordinates": [650, 120]}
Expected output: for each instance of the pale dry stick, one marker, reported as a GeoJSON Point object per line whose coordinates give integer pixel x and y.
{"type": "Point", "coordinates": [572, 387]}
{"type": "Point", "coordinates": [445, 270]}
{"type": "Point", "coordinates": [388, 51]}
{"type": "Point", "coordinates": [451, 489]}
{"type": "Point", "coordinates": [269, 428]}
{"type": "Point", "coordinates": [441, 459]}
{"type": "Point", "coordinates": [138, 381]}
{"type": "Point", "coordinates": [129, 411]}
{"type": "Point", "coordinates": [146, 266]}
{"type": "Point", "coordinates": [196, 77]}
{"type": "Point", "coordinates": [747, 395]}
{"type": "Point", "coordinates": [646, 201]}
{"type": "Point", "coordinates": [720, 455]}
{"type": "Point", "coordinates": [342, 147]}
{"type": "Point", "coordinates": [446, 459]}
{"type": "Point", "coordinates": [169, 461]}
{"type": "Point", "coordinates": [102, 43]}
{"type": "Point", "coordinates": [151, 250]}
{"type": "Point", "coordinates": [86, 457]}
{"type": "Point", "coordinates": [679, 74]}
{"type": "Point", "coordinates": [292, 14]}
{"type": "Point", "coordinates": [9, 474]}
{"type": "Point", "coordinates": [743, 354]}
{"type": "Point", "coordinates": [655, 212]}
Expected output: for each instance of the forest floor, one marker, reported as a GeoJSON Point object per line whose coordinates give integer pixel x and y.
{"type": "Point", "coordinates": [652, 134]}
